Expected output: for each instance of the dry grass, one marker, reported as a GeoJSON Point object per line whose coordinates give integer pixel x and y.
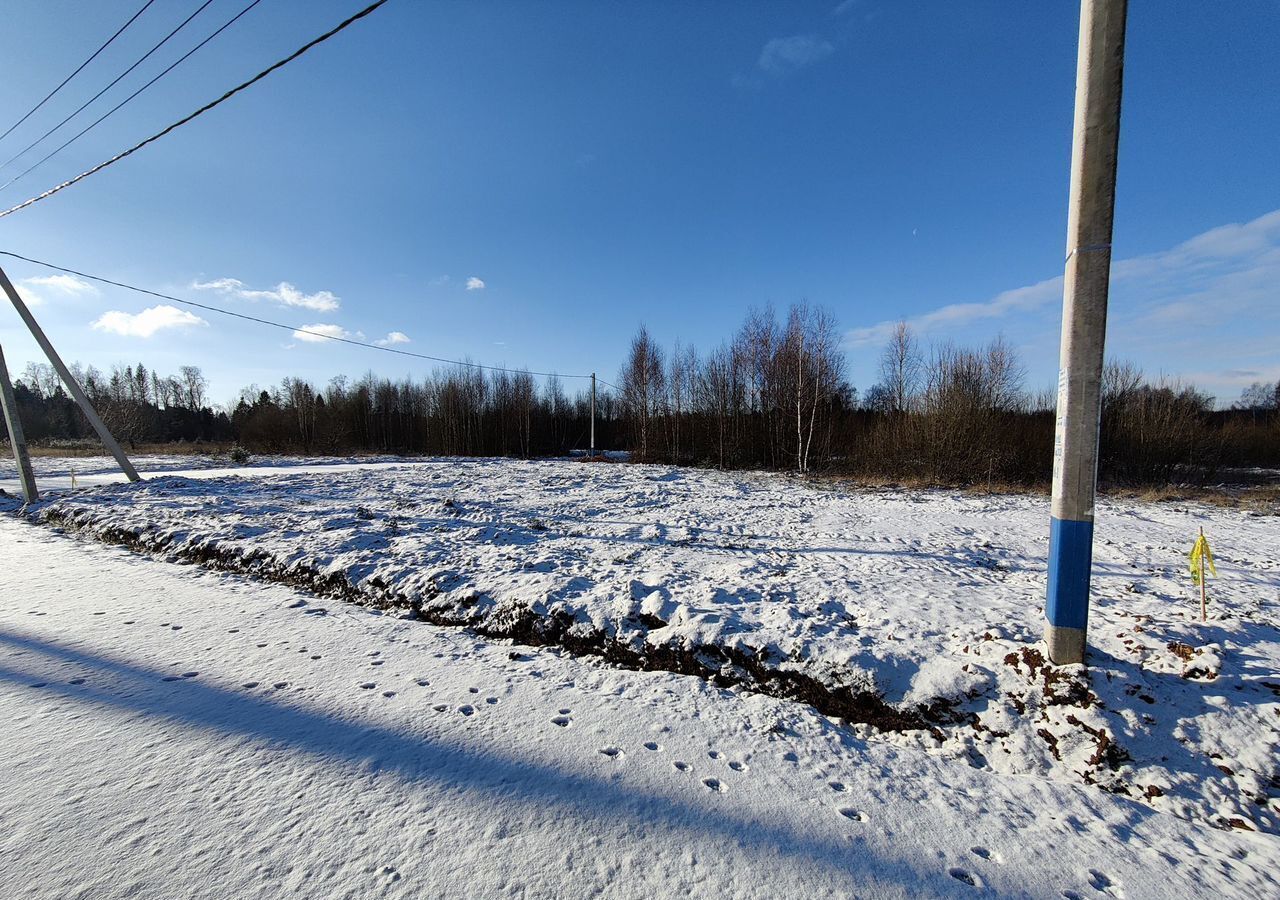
{"type": "Point", "coordinates": [83, 449]}
{"type": "Point", "coordinates": [1261, 498]}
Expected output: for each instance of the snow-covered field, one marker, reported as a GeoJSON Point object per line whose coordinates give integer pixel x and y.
{"type": "Point", "coordinates": [918, 611]}
{"type": "Point", "coordinates": [175, 732]}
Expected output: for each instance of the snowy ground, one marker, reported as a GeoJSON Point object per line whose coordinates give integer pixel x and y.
{"type": "Point", "coordinates": [56, 472]}
{"type": "Point", "coordinates": [175, 732]}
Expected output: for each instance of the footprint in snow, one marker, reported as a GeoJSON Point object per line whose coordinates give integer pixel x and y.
{"type": "Point", "coordinates": [492, 701]}
{"type": "Point", "coordinates": [651, 745]}
{"type": "Point", "coordinates": [853, 815]}
{"type": "Point", "coordinates": [562, 721]}
{"type": "Point", "coordinates": [421, 682]}
{"type": "Point", "coordinates": [467, 709]}
{"type": "Point", "coordinates": [76, 681]}
{"type": "Point", "coordinates": [440, 707]}
{"type": "Point", "coordinates": [367, 685]}
{"type": "Point", "coordinates": [250, 684]}
{"type": "Point", "coordinates": [681, 765]}
{"type": "Point", "coordinates": [713, 784]}
{"type": "Point", "coordinates": [612, 752]}
{"type": "Point", "coordinates": [737, 766]}
{"type": "Point", "coordinates": [1102, 884]}
{"type": "Point", "coordinates": [837, 786]}
{"type": "Point", "coordinates": [388, 693]}
{"type": "Point", "coordinates": [280, 685]}
{"type": "Point", "coordinates": [965, 876]}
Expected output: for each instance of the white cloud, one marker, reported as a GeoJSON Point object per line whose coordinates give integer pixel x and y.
{"type": "Point", "coordinates": [284, 294]}
{"type": "Point", "coordinates": [782, 55]}
{"type": "Point", "coordinates": [394, 337]}
{"type": "Point", "coordinates": [475, 284]}
{"type": "Point", "coordinates": [954, 315]}
{"type": "Point", "coordinates": [146, 323]}
{"type": "Point", "coordinates": [1208, 302]}
{"type": "Point", "coordinates": [844, 7]}
{"type": "Point", "coordinates": [36, 289]}
{"type": "Point", "coordinates": [1228, 268]}
{"type": "Point", "coordinates": [318, 333]}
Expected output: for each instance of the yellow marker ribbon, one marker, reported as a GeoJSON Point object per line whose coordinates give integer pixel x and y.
{"type": "Point", "coordinates": [1201, 555]}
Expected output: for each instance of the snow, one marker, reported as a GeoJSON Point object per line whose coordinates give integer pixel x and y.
{"type": "Point", "coordinates": [273, 770]}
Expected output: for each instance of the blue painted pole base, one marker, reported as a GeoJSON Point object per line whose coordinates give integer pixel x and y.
{"type": "Point", "coordinates": [1067, 606]}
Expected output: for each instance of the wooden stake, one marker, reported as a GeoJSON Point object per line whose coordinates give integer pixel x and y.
{"type": "Point", "coordinates": [1204, 617]}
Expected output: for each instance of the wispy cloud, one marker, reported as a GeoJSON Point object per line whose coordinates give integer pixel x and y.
{"type": "Point", "coordinates": [475, 284]}
{"type": "Point", "coordinates": [1208, 302]}
{"type": "Point", "coordinates": [37, 289]}
{"type": "Point", "coordinates": [321, 332]}
{"type": "Point", "coordinates": [394, 337]}
{"type": "Point", "coordinates": [146, 323]}
{"type": "Point", "coordinates": [844, 6]}
{"type": "Point", "coordinates": [954, 315]}
{"type": "Point", "coordinates": [284, 294]}
{"type": "Point", "coordinates": [786, 54]}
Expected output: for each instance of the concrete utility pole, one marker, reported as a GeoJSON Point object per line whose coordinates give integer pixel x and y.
{"type": "Point", "coordinates": [593, 415]}
{"type": "Point", "coordinates": [68, 381]}
{"type": "Point", "coordinates": [1099, 72]}
{"type": "Point", "coordinates": [16, 438]}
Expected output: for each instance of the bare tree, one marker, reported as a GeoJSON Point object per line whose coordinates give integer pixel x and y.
{"type": "Point", "coordinates": [900, 367]}
{"type": "Point", "coordinates": [642, 381]}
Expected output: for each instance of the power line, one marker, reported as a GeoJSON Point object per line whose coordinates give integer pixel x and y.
{"type": "Point", "coordinates": [91, 58]}
{"type": "Point", "coordinates": [201, 111]}
{"type": "Point", "coordinates": [292, 328]}
{"type": "Point", "coordinates": [115, 108]}
{"type": "Point", "coordinates": [82, 106]}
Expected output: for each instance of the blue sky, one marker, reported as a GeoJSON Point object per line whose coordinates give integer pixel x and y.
{"type": "Point", "coordinates": [596, 165]}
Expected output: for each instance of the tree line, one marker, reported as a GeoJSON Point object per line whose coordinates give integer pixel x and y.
{"type": "Point", "coordinates": [774, 395]}
{"type": "Point", "coordinates": [137, 404]}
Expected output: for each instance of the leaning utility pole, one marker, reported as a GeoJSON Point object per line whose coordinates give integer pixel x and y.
{"type": "Point", "coordinates": [1099, 72]}
{"type": "Point", "coordinates": [16, 438]}
{"type": "Point", "coordinates": [68, 380]}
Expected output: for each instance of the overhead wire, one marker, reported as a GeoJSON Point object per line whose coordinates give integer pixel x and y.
{"type": "Point", "coordinates": [166, 71]}
{"type": "Point", "coordinates": [82, 106]}
{"type": "Point", "coordinates": [292, 328]}
{"type": "Point", "coordinates": [78, 69]}
{"type": "Point", "coordinates": [201, 111]}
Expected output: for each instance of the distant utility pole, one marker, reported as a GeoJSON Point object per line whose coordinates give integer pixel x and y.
{"type": "Point", "coordinates": [593, 415]}
{"type": "Point", "coordinates": [16, 439]}
{"type": "Point", "coordinates": [68, 380]}
{"type": "Point", "coordinates": [1099, 72]}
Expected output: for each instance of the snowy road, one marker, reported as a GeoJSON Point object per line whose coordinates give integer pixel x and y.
{"type": "Point", "coordinates": [54, 473]}
{"type": "Point", "coordinates": [171, 732]}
